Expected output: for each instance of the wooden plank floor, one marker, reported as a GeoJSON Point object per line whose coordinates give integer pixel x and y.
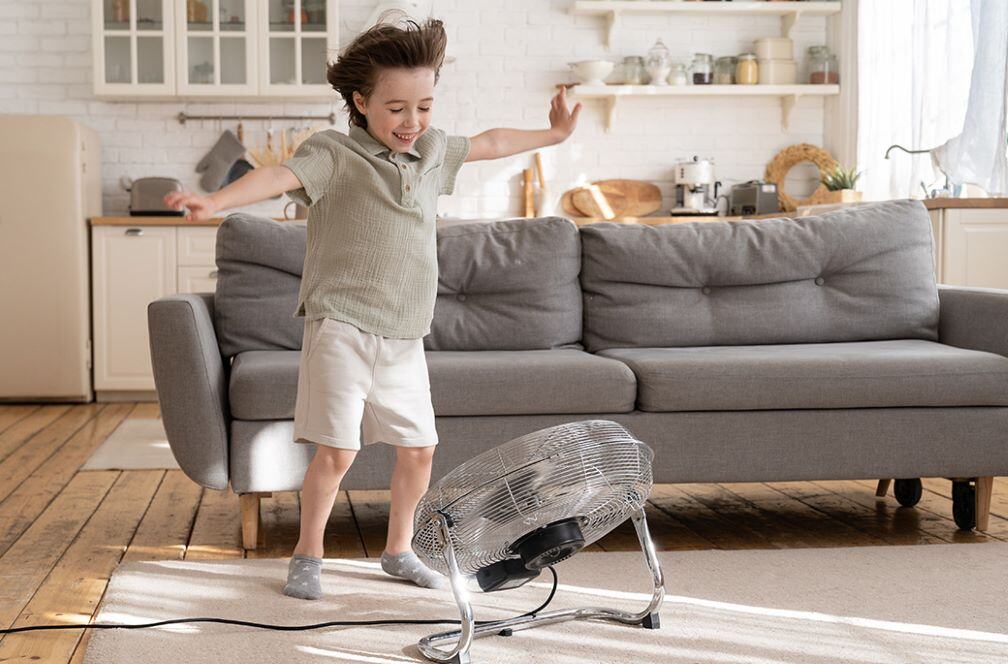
{"type": "Point", "coordinates": [63, 532]}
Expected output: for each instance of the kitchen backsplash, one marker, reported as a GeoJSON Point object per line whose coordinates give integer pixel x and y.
{"type": "Point", "coordinates": [509, 55]}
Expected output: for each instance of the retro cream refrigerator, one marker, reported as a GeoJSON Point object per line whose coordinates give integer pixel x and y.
{"type": "Point", "coordinates": [51, 183]}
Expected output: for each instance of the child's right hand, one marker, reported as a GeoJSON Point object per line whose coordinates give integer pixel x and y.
{"type": "Point", "coordinates": [200, 207]}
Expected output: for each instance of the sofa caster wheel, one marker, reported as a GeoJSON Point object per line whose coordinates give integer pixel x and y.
{"type": "Point", "coordinates": [907, 492]}
{"type": "Point", "coordinates": [964, 504]}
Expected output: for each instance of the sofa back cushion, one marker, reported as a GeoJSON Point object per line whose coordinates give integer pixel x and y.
{"type": "Point", "coordinates": [507, 285]}
{"type": "Point", "coordinates": [259, 263]}
{"type": "Point", "coordinates": [860, 273]}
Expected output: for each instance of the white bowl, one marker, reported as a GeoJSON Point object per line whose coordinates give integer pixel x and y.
{"type": "Point", "coordinates": [591, 72]}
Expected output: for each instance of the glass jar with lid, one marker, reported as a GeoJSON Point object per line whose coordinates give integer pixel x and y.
{"type": "Point", "coordinates": [657, 63]}
{"type": "Point", "coordinates": [678, 74]}
{"type": "Point", "coordinates": [702, 69]}
{"type": "Point", "coordinates": [747, 69]}
{"type": "Point", "coordinates": [724, 70]}
{"type": "Point", "coordinates": [822, 65]}
{"type": "Point", "coordinates": [633, 70]}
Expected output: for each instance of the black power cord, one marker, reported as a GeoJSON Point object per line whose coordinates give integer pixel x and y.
{"type": "Point", "coordinates": [284, 628]}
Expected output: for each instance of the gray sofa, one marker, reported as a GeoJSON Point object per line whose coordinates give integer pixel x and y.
{"type": "Point", "coordinates": [785, 349]}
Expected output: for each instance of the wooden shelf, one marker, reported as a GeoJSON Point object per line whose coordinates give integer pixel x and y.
{"type": "Point", "coordinates": [789, 94]}
{"type": "Point", "coordinates": [788, 11]}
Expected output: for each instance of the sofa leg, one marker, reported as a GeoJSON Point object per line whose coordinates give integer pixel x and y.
{"type": "Point", "coordinates": [984, 486]}
{"type": "Point", "coordinates": [883, 488]}
{"type": "Point", "coordinates": [250, 518]}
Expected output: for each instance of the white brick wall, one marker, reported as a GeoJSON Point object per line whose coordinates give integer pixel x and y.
{"type": "Point", "coordinates": [510, 54]}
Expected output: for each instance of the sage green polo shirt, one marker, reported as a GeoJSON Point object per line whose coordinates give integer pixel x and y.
{"type": "Point", "coordinates": [371, 258]}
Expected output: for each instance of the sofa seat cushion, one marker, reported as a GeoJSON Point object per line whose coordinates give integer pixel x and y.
{"type": "Point", "coordinates": [867, 374]}
{"type": "Point", "coordinates": [530, 382]}
{"type": "Point", "coordinates": [263, 383]}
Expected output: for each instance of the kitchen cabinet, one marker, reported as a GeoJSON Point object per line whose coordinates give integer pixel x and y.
{"type": "Point", "coordinates": [133, 47]}
{"type": "Point", "coordinates": [971, 245]}
{"type": "Point", "coordinates": [200, 49]}
{"type": "Point", "coordinates": [131, 267]}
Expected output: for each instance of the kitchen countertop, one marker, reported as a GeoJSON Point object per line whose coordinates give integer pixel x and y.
{"type": "Point", "coordinates": [938, 203]}
{"type": "Point", "coordinates": [167, 220]}
{"type": "Point", "coordinates": [929, 203]}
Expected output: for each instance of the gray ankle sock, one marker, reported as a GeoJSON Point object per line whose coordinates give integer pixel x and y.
{"type": "Point", "coordinates": [406, 565]}
{"type": "Point", "coordinates": [304, 577]}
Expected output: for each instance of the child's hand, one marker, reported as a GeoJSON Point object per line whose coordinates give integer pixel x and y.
{"type": "Point", "coordinates": [562, 120]}
{"type": "Point", "coordinates": [200, 207]}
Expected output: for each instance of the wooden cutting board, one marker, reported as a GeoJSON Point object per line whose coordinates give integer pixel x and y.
{"type": "Point", "coordinates": [627, 198]}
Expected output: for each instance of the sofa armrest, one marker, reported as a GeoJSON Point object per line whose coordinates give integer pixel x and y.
{"type": "Point", "coordinates": [192, 385]}
{"type": "Point", "coordinates": [973, 318]}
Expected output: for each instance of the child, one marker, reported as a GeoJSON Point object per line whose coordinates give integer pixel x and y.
{"type": "Point", "coordinates": [370, 274]}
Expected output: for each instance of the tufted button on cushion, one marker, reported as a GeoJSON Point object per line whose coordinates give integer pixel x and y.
{"type": "Point", "coordinates": [705, 290]}
{"type": "Point", "coordinates": [819, 281]}
{"type": "Point", "coordinates": [460, 297]}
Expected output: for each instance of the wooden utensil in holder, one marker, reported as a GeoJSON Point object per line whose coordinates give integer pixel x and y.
{"type": "Point", "coordinates": [529, 193]}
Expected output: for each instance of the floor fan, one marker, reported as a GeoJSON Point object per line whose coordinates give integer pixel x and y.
{"type": "Point", "coordinates": [505, 515]}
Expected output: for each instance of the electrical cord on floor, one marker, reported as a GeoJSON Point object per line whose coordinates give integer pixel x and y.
{"type": "Point", "coordinates": [281, 628]}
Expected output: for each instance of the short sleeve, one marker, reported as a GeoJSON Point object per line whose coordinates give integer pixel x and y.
{"type": "Point", "coordinates": [456, 151]}
{"type": "Point", "coordinates": [314, 163]}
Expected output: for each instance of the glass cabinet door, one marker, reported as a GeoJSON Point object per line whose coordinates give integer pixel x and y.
{"type": "Point", "coordinates": [216, 49]}
{"type": "Point", "coordinates": [301, 37]}
{"type": "Point", "coordinates": [132, 46]}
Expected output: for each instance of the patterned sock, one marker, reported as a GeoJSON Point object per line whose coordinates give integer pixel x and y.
{"type": "Point", "coordinates": [304, 577]}
{"type": "Point", "coordinates": [406, 565]}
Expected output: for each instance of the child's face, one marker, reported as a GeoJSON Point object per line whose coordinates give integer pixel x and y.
{"type": "Point", "coordinates": [400, 108]}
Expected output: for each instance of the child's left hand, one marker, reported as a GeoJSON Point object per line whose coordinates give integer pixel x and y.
{"type": "Point", "coordinates": [562, 120]}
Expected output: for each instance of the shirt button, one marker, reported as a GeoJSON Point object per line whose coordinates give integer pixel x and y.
{"type": "Point", "coordinates": [819, 281]}
{"type": "Point", "coordinates": [407, 187]}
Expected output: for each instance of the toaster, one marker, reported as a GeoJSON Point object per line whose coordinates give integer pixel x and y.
{"type": "Point", "coordinates": [147, 197]}
{"type": "Point", "coordinates": [753, 197]}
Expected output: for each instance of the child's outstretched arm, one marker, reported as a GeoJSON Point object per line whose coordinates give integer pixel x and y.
{"type": "Point", "coordinates": [503, 142]}
{"type": "Point", "coordinates": [256, 185]}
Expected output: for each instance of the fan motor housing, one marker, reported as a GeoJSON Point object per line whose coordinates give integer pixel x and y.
{"type": "Point", "coordinates": [550, 544]}
{"type": "Point", "coordinates": [538, 549]}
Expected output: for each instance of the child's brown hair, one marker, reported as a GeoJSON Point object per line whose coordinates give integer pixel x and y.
{"type": "Point", "coordinates": [385, 46]}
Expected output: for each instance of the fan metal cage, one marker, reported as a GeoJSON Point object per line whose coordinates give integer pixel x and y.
{"type": "Point", "coordinates": [593, 470]}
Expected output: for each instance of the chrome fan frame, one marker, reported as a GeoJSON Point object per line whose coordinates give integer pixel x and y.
{"type": "Point", "coordinates": [438, 529]}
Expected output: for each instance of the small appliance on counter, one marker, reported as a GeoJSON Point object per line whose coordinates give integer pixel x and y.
{"type": "Point", "coordinates": [753, 197]}
{"type": "Point", "coordinates": [147, 196]}
{"type": "Point", "coordinates": [696, 190]}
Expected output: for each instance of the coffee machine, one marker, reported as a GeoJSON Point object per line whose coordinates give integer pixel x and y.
{"type": "Point", "coordinates": [696, 190]}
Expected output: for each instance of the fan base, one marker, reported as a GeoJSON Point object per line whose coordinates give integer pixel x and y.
{"type": "Point", "coordinates": [459, 640]}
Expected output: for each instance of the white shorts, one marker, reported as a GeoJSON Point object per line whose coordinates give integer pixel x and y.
{"type": "Point", "coordinates": [354, 386]}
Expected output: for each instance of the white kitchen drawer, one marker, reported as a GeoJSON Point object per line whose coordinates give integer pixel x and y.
{"type": "Point", "coordinates": [197, 246]}
{"type": "Point", "coordinates": [201, 279]}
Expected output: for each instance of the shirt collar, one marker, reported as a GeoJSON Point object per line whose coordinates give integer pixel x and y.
{"type": "Point", "coordinates": [375, 147]}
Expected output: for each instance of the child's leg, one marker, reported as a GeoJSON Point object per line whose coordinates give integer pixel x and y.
{"type": "Point", "coordinates": [318, 493]}
{"type": "Point", "coordinates": [409, 482]}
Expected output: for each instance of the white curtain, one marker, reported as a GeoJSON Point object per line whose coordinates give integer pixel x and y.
{"type": "Point", "coordinates": [977, 155]}
{"type": "Point", "coordinates": [913, 68]}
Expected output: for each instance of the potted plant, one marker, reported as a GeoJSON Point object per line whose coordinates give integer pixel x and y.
{"type": "Point", "coordinates": [839, 182]}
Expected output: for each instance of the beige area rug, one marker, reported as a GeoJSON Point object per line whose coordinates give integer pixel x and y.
{"type": "Point", "coordinates": [927, 603]}
{"type": "Point", "coordinates": [136, 444]}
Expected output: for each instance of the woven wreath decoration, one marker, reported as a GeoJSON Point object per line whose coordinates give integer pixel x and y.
{"type": "Point", "coordinates": [785, 160]}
